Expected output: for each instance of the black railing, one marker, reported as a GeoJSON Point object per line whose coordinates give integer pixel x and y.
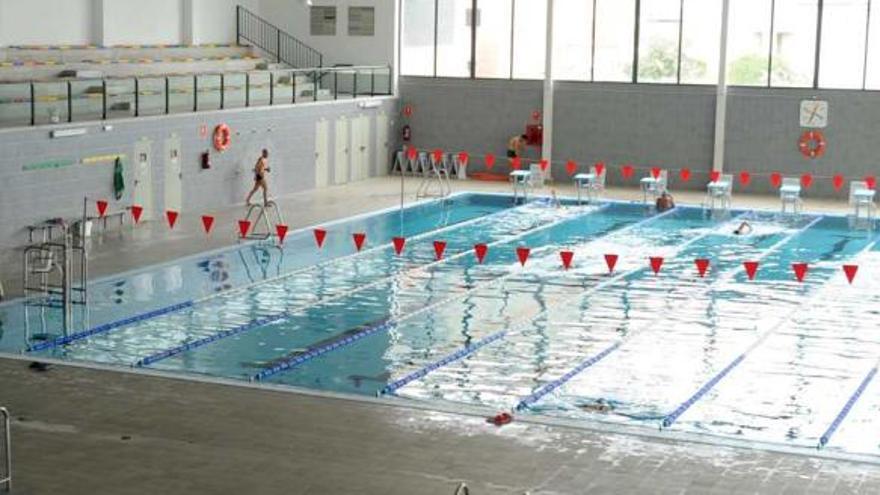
{"type": "Point", "coordinates": [262, 34]}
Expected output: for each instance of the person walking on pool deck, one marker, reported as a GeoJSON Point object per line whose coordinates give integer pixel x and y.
{"type": "Point", "coordinates": [515, 147]}
{"type": "Point", "coordinates": [260, 170]}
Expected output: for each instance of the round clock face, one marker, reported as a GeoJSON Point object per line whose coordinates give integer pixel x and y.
{"type": "Point", "coordinates": [814, 113]}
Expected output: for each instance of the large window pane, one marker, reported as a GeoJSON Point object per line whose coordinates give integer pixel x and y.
{"type": "Point", "coordinates": [658, 40]}
{"type": "Point", "coordinates": [872, 79]}
{"type": "Point", "coordinates": [748, 42]}
{"type": "Point", "coordinates": [794, 43]}
{"type": "Point", "coordinates": [842, 57]}
{"type": "Point", "coordinates": [615, 25]}
{"type": "Point", "coordinates": [417, 38]}
{"type": "Point", "coordinates": [493, 38]}
{"type": "Point", "coordinates": [572, 39]}
{"type": "Point", "coordinates": [529, 39]}
{"type": "Point", "coordinates": [701, 41]}
{"type": "Point", "coordinates": [453, 38]}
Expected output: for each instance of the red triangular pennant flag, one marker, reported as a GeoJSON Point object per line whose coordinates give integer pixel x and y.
{"type": "Point", "coordinates": [320, 235]}
{"type": "Point", "coordinates": [800, 271]}
{"type": "Point", "coordinates": [850, 271]}
{"type": "Point", "coordinates": [438, 155]}
{"type": "Point", "coordinates": [871, 182]}
{"type": "Point", "coordinates": [490, 161]}
{"type": "Point", "coordinates": [702, 266]}
{"type": "Point", "coordinates": [626, 171]}
{"type": "Point", "coordinates": [439, 249]}
{"type": "Point", "coordinates": [463, 158]}
{"type": "Point", "coordinates": [399, 243]}
{"type": "Point", "coordinates": [207, 223]}
{"type": "Point", "coordinates": [655, 172]}
{"type": "Point", "coordinates": [714, 176]}
{"type": "Point", "coordinates": [570, 167]}
{"type": "Point", "coordinates": [567, 257]}
{"type": "Point", "coordinates": [281, 231]}
{"type": "Point", "coordinates": [745, 177]}
{"type": "Point", "coordinates": [102, 207]}
{"type": "Point", "coordinates": [751, 269]}
{"type": "Point", "coordinates": [837, 181]}
{"type": "Point", "coordinates": [685, 174]}
{"type": "Point", "coordinates": [136, 212]}
{"type": "Point", "coordinates": [806, 181]}
{"type": "Point", "coordinates": [776, 179]}
{"type": "Point", "coordinates": [522, 253]}
{"type": "Point", "coordinates": [611, 261]}
{"type": "Point", "coordinates": [516, 163]}
{"type": "Point", "coordinates": [656, 263]}
{"type": "Point", "coordinates": [600, 168]}
{"type": "Point", "coordinates": [171, 215]}
{"type": "Point", "coordinates": [412, 153]}
{"type": "Point", "coordinates": [359, 240]}
{"type": "Point", "coordinates": [480, 251]}
{"type": "Point", "coordinates": [243, 227]}
{"type": "Point", "coordinates": [545, 164]}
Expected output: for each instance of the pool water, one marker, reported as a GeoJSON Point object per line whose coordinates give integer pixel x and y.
{"type": "Point", "coordinates": [770, 359]}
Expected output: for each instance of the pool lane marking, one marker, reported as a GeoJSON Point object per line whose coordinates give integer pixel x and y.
{"type": "Point", "coordinates": [108, 327]}
{"type": "Point", "coordinates": [292, 363]}
{"type": "Point", "coordinates": [528, 321]}
{"type": "Point", "coordinates": [289, 312]}
{"type": "Point", "coordinates": [672, 417]}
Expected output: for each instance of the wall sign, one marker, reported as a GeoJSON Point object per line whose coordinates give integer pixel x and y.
{"type": "Point", "coordinates": [322, 20]}
{"type": "Point", "coordinates": [814, 113]}
{"type": "Point", "coordinates": [361, 21]}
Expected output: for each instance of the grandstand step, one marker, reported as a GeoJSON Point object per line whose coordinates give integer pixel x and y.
{"type": "Point", "coordinates": [12, 72]}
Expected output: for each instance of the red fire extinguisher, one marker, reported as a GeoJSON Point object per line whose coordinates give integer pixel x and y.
{"type": "Point", "coordinates": [406, 133]}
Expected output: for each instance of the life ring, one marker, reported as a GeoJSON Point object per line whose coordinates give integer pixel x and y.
{"type": "Point", "coordinates": [222, 137]}
{"type": "Point", "coordinates": [812, 144]}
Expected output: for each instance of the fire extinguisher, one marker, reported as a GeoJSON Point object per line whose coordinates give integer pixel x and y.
{"type": "Point", "coordinates": [406, 133]}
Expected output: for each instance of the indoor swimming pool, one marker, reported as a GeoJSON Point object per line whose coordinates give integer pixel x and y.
{"type": "Point", "coordinates": [757, 356]}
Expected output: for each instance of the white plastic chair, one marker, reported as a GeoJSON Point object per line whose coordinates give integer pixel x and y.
{"type": "Point", "coordinates": [790, 195]}
{"type": "Point", "coordinates": [536, 178]}
{"type": "Point", "coordinates": [592, 183]}
{"type": "Point", "coordinates": [655, 187]}
{"type": "Point", "coordinates": [719, 193]}
{"type": "Point", "coordinates": [862, 198]}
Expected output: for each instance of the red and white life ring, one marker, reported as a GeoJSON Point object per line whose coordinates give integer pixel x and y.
{"type": "Point", "coordinates": [222, 138]}
{"type": "Point", "coordinates": [812, 144]}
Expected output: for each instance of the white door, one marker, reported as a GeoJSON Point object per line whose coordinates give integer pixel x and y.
{"type": "Point", "coordinates": [365, 147]}
{"type": "Point", "coordinates": [322, 171]}
{"type": "Point", "coordinates": [357, 148]}
{"type": "Point", "coordinates": [382, 165]}
{"type": "Point", "coordinates": [142, 194]}
{"type": "Point", "coordinates": [173, 175]}
{"type": "Point", "coordinates": [341, 164]}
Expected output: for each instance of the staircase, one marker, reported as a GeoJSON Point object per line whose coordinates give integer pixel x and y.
{"type": "Point", "coordinates": [277, 44]}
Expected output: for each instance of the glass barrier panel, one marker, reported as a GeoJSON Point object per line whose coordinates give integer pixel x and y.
{"type": "Point", "coordinates": [234, 90]}
{"type": "Point", "coordinates": [382, 83]}
{"type": "Point", "coordinates": [87, 99]}
{"type": "Point", "coordinates": [15, 104]}
{"type": "Point", "coordinates": [151, 96]}
{"type": "Point", "coordinates": [305, 85]}
{"type": "Point", "coordinates": [208, 94]}
{"type": "Point", "coordinates": [345, 83]}
{"type": "Point", "coordinates": [282, 87]}
{"type": "Point", "coordinates": [325, 84]}
{"type": "Point", "coordinates": [50, 102]}
{"type": "Point", "coordinates": [120, 98]}
{"type": "Point", "coordinates": [364, 86]}
{"type": "Point", "coordinates": [181, 97]}
{"type": "Point", "coordinates": [259, 89]}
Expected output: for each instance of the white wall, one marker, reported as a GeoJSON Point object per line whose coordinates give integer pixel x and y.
{"type": "Point", "coordinates": [46, 22]}
{"type": "Point", "coordinates": [293, 17]}
{"type": "Point", "coordinates": [140, 22]}
{"type": "Point", "coordinates": [214, 20]}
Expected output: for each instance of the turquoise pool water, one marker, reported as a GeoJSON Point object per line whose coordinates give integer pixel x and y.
{"type": "Point", "coordinates": [770, 359]}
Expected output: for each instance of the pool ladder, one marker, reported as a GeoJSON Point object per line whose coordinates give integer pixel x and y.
{"type": "Point", "coordinates": [435, 177]}
{"type": "Point", "coordinates": [6, 448]}
{"type": "Point", "coordinates": [258, 216]}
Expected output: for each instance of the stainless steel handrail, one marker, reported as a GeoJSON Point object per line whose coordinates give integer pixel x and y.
{"type": "Point", "coordinates": [7, 448]}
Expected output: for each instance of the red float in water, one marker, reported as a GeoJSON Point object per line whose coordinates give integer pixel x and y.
{"type": "Point", "coordinates": [171, 216]}
{"type": "Point", "coordinates": [751, 269]}
{"type": "Point", "coordinates": [571, 167]}
{"type": "Point", "coordinates": [399, 243]}
{"type": "Point", "coordinates": [207, 223]}
{"type": "Point", "coordinates": [102, 207]}
{"type": "Point", "coordinates": [439, 249]}
{"type": "Point", "coordinates": [656, 263]}
{"type": "Point", "coordinates": [523, 254]}
{"type": "Point", "coordinates": [702, 266]}
{"type": "Point", "coordinates": [655, 172]}
{"type": "Point", "coordinates": [627, 171]}
{"type": "Point", "coordinates": [281, 231]}
{"type": "Point", "coordinates": [320, 235]}
{"type": "Point", "coordinates": [685, 174]}
{"type": "Point", "coordinates": [243, 227]}
{"type": "Point", "coordinates": [776, 179]}
{"type": "Point", "coordinates": [838, 180]}
{"type": "Point", "coordinates": [745, 177]}
{"type": "Point", "coordinates": [359, 240]}
{"type": "Point", "coordinates": [850, 271]}
{"type": "Point", "coordinates": [480, 251]}
{"type": "Point", "coordinates": [567, 257]}
{"type": "Point", "coordinates": [806, 181]}
{"type": "Point", "coordinates": [800, 271]}
{"type": "Point", "coordinates": [611, 261]}
{"type": "Point", "coordinates": [136, 212]}
{"type": "Point", "coordinates": [490, 161]}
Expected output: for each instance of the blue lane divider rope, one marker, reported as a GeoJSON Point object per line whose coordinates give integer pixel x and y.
{"type": "Point", "coordinates": [301, 359]}
{"type": "Point", "coordinates": [555, 384]}
{"type": "Point", "coordinates": [826, 437]}
{"type": "Point", "coordinates": [60, 341]}
{"type": "Point", "coordinates": [674, 415]}
{"type": "Point", "coordinates": [462, 353]}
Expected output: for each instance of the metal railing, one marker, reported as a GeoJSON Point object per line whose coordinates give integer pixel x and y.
{"type": "Point", "coordinates": [6, 448]}
{"type": "Point", "coordinates": [255, 30]}
{"type": "Point", "coordinates": [82, 100]}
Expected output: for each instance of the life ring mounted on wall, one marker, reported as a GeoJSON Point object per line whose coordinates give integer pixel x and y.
{"type": "Point", "coordinates": [222, 137]}
{"type": "Point", "coordinates": [812, 144]}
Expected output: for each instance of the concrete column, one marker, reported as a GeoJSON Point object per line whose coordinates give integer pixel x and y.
{"type": "Point", "coordinates": [547, 148]}
{"type": "Point", "coordinates": [187, 20]}
{"type": "Point", "coordinates": [721, 93]}
{"type": "Point", "coordinates": [97, 37]}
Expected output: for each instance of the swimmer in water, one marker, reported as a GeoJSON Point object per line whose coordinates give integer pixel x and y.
{"type": "Point", "coordinates": [744, 229]}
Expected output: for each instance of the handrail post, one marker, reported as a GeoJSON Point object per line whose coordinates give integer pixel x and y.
{"type": "Point", "coordinates": [238, 25]}
{"type": "Point", "coordinates": [222, 90]}
{"type": "Point", "coordinates": [167, 96]}
{"type": "Point", "coordinates": [271, 88]}
{"type": "Point", "coordinates": [33, 105]}
{"type": "Point", "coordinates": [372, 82]}
{"type": "Point", "coordinates": [247, 89]}
{"type": "Point", "coordinates": [277, 45]}
{"type": "Point", "coordinates": [7, 447]}
{"type": "Point", "coordinates": [137, 97]}
{"type": "Point", "coordinates": [104, 99]}
{"type": "Point", "coordinates": [335, 85]}
{"type": "Point", "coordinates": [195, 93]}
{"type": "Point", "coordinates": [354, 89]}
{"type": "Point", "coordinates": [69, 102]}
{"type": "Point", "coordinates": [315, 86]}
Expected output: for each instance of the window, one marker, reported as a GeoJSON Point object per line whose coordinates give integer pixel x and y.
{"type": "Point", "coordinates": [658, 40]}
{"type": "Point", "coordinates": [615, 35]}
{"type": "Point", "coordinates": [748, 45]}
{"type": "Point", "coordinates": [454, 38]}
{"type": "Point", "coordinates": [700, 41]}
{"type": "Point", "coordinates": [842, 57]}
{"type": "Point", "coordinates": [417, 38]}
{"type": "Point", "coordinates": [872, 72]}
{"type": "Point", "coordinates": [361, 21]}
{"type": "Point", "coordinates": [529, 39]}
{"type": "Point", "coordinates": [794, 43]}
{"type": "Point", "coordinates": [494, 38]}
{"type": "Point", "coordinates": [573, 39]}
{"type": "Point", "coordinates": [322, 21]}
